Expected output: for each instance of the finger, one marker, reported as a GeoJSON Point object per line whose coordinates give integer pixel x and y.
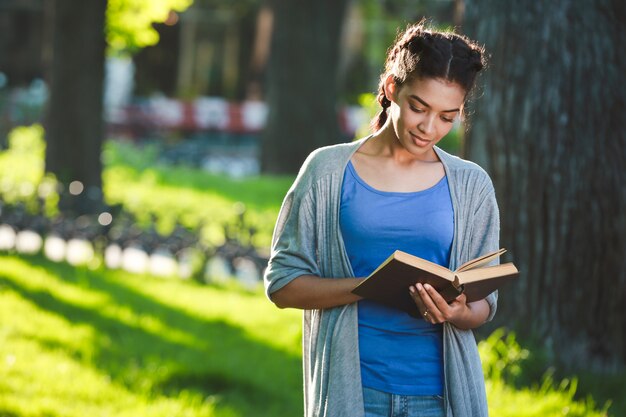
{"type": "Point", "coordinates": [426, 313]}
{"type": "Point", "coordinates": [429, 304]}
{"type": "Point", "coordinates": [438, 300]}
{"type": "Point", "coordinates": [417, 299]}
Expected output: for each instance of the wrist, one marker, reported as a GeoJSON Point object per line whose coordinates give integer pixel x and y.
{"type": "Point", "coordinates": [471, 316]}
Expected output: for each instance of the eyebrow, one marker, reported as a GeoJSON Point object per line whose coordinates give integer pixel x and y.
{"type": "Point", "coordinates": [413, 96]}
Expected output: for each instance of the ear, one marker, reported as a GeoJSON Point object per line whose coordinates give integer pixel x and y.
{"type": "Point", "coordinates": [391, 89]}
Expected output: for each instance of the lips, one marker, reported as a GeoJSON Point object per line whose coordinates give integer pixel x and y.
{"type": "Point", "coordinates": [418, 140]}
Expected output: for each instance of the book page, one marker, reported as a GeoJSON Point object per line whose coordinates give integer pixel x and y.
{"type": "Point", "coordinates": [479, 283]}
{"type": "Point", "coordinates": [474, 275]}
{"type": "Point", "coordinates": [477, 262]}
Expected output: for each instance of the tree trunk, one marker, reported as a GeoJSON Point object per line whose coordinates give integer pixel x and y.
{"type": "Point", "coordinates": [302, 82]}
{"type": "Point", "coordinates": [550, 130]}
{"type": "Point", "coordinates": [74, 125]}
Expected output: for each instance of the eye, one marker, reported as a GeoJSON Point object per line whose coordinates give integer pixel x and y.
{"type": "Point", "coordinates": [416, 109]}
{"type": "Point", "coordinates": [447, 119]}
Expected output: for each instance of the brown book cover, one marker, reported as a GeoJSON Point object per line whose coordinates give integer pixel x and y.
{"type": "Point", "coordinates": [389, 283]}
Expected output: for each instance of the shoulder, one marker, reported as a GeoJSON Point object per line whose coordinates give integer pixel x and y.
{"type": "Point", "coordinates": [326, 161]}
{"type": "Point", "coordinates": [465, 173]}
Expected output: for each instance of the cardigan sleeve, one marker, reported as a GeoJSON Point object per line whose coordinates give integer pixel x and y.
{"type": "Point", "coordinates": [293, 251]}
{"type": "Point", "coordinates": [485, 235]}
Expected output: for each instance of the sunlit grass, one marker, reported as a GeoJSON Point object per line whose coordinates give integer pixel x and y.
{"type": "Point", "coordinates": [133, 177]}
{"type": "Point", "coordinates": [164, 192]}
{"type": "Point", "coordinates": [503, 362]}
{"type": "Point", "coordinates": [75, 342]}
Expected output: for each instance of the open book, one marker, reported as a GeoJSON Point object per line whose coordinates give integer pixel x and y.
{"type": "Point", "coordinates": [389, 283]}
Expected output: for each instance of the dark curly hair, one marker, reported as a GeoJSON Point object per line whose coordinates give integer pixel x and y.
{"type": "Point", "coordinates": [420, 52]}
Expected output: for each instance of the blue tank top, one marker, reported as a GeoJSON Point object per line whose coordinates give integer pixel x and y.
{"type": "Point", "coordinates": [399, 354]}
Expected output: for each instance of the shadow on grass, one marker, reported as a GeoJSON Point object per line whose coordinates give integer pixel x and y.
{"type": "Point", "coordinates": [209, 358]}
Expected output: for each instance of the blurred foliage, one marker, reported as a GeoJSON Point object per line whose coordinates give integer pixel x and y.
{"type": "Point", "coordinates": [381, 22]}
{"type": "Point", "coordinates": [502, 356]}
{"type": "Point", "coordinates": [504, 361]}
{"type": "Point", "coordinates": [452, 142]}
{"type": "Point", "coordinates": [197, 199]}
{"type": "Point", "coordinates": [22, 175]}
{"type": "Point", "coordinates": [129, 22]}
{"type": "Point", "coordinates": [201, 201]}
{"type": "Point", "coordinates": [368, 103]}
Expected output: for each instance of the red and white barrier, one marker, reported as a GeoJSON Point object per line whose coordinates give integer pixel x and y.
{"type": "Point", "coordinates": [212, 114]}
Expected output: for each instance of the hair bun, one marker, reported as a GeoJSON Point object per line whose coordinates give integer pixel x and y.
{"type": "Point", "coordinates": [415, 45]}
{"type": "Point", "coordinates": [476, 59]}
{"type": "Point", "coordinates": [420, 41]}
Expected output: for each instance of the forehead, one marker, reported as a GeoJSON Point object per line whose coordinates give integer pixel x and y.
{"type": "Point", "coordinates": [438, 94]}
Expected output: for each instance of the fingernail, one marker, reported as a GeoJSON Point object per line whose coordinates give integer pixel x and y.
{"type": "Point", "coordinates": [412, 289]}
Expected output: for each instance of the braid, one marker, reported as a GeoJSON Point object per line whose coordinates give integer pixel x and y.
{"type": "Point", "coordinates": [380, 120]}
{"type": "Point", "coordinates": [476, 60]}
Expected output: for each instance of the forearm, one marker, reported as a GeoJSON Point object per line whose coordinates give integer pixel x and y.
{"type": "Point", "coordinates": [311, 292]}
{"type": "Point", "coordinates": [475, 315]}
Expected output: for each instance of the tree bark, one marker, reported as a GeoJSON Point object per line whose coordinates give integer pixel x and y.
{"type": "Point", "coordinates": [74, 123]}
{"type": "Point", "coordinates": [549, 128]}
{"type": "Point", "coordinates": [302, 82]}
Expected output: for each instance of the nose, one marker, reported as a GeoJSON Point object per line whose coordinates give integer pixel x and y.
{"type": "Point", "coordinates": [426, 125]}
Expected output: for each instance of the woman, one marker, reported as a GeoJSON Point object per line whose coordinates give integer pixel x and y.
{"type": "Point", "coordinates": [354, 204]}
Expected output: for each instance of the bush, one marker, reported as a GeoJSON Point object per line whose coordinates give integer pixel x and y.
{"type": "Point", "coordinates": [503, 362]}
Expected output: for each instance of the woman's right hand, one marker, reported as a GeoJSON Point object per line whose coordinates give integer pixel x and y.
{"type": "Point", "coordinates": [435, 309]}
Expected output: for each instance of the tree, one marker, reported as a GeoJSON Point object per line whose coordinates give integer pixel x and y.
{"type": "Point", "coordinates": [74, 125]}
{"type": "Point", "coordinates": [550, 130]}
{"type": "Point", "coordinates": [302, 82]}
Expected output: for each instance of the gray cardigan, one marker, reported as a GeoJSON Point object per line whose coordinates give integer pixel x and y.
{"type": "Point", "coordinates": [307, 241]}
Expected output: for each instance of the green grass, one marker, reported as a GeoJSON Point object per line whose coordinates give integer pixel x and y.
{"type": "Point", "coordinates": [76, 342]}
{"type": "Point", "coordinates": [509, 395]}
{"type": "Point", "coordinates": [194, 197]}
{"type": "Point", "coordinates": [132, 177]}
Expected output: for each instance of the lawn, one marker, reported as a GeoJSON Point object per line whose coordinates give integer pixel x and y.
{"type": "Point", "coordinates": [197, 199]}
{"type": "Point", "coordinates": [134, 178]}
{"type": "Point", "coordinates": [76, 342]}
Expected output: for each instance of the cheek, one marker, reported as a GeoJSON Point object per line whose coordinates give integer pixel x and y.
{"type": "Point", "coordinates": [398, 117]}
{"type": "Point", "coordinates": [409, 118]}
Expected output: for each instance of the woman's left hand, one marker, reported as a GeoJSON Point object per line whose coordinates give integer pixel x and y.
{"type": "Point", "coordinates": [435, 309]}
